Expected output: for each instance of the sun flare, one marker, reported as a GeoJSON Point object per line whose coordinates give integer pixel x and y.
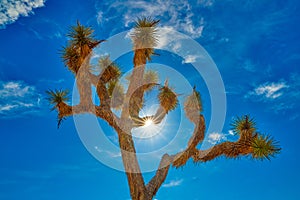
{"type": "Point", "coordinates": [148, 123]}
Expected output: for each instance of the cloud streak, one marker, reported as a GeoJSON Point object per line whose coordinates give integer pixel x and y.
{"type": "Point", "coordinates": [178, 14]}
{"type": "Point", "coordinates": [11, 10]}
{"type": "Point", "coordinates": [173, 183]}
{"type": "Point", "coordinates": [281, 96]}
{"type": "Point", "coordinates": [17, 99]}
{"type": "Point", "coordinates": [269, 90]}
{"type": "Point", "coordinates": [214, 138]}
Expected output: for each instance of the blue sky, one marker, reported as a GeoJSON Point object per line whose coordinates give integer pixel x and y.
{"type": "Point", "coordinates": [255, 45]}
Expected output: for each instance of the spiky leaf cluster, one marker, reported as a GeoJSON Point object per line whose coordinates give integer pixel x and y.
{"type": "Point", "coordinates": [144, 35]}
{"type": "Point", "coordinates": [244, 123]}
{"type": "Point", "coordinates": [150, 79]}
{"type": "Point", "coordinates": [71, 58]}
{"type": "Point", "coordinates": [57, 96]}
{"type": "Point", "coordinates": [110, 71]}
{"type": "Point", "coordinates": [80, 35]}
{"type": "Point", "coordinates": [80, 44]}
{"type": "Point", "coordinates": [104, 62]}
{"type": "Point", "coordinates": [167, 98]}
{"type": "Point", "coordinates": [151, 76]}
{"type": "Point", "coordinates": [193, 105]}
{"type": "Point", "coordinates": [264, 147]}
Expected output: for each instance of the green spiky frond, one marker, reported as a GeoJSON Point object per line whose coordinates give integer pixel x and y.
{"type": "Point", "coordinates": [167, 98]}
{"type": "Point", "coordinates": [80, 35]}
{"type": "Point", "coordinates": [104, 61]}
{"type": "Point", "coordinates": [243, 123]}
{"type": "Point", "coordinates": [80, 44]}
{"type": "Point", "coordinates": [57, 96]}
{"type": "Point", "coordinates": [150, 80]}
{"type": "Point", "coordinates": [193, 105]}
{"type": "Point", "coordinates": [151, 76]}
{"type": "Point", "coordinates": [112, 72]}
{"type": "Point", "coordinates": [109, 70]}
{"type": "Point", "coordinates": [71, 58]}
{"type": "Point", "coordinates": [116, 92]}
{"type": "Point", "coordinates": [144, 35]}
{"type": "Point", "coordinates": [264, 147]}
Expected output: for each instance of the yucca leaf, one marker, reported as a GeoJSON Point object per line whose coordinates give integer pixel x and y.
{"type": "Point", "coordinates": [81, 35]}
{"type": "Point", "coordinates": [243, 123]}
{"type": "Point", "coordinates": [57, 96]}
{"type": "Point", "coordinates": [264, 147]}
{"type": "Point", "coordinates": [109, 70]}
{"type": "Point", "coordinates": [167, 98]}
{"type": "Point", "coordinates": [70, 57]}
{"type": "Point", "coordinates": [144, 35]}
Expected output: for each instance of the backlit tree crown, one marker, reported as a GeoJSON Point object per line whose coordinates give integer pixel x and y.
{"type": "Point", "coordinates": [105, 77]}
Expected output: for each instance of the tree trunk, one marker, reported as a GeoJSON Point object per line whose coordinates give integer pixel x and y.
{"type": "Point", "coordinates": [135, 179]}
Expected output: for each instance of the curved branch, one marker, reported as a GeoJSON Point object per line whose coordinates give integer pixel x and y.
{"type": "Point", "coordinates": [181, 158]}
{"type": "Point", "coordinates": [229, 149]}
{"type": "Point", "coordinates": [160, 175]}
{"type": "Point", "coordinates": [178, 159]}
{"type": "Point", "coordinates": [101, 111]}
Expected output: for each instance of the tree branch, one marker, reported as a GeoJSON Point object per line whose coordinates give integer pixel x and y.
{"type": "Point", "coordinates": [160, 175]}
{"type": "Point", "coordinates": [229, 149]}
{"type": "Point", "coordinates": [178, 159]}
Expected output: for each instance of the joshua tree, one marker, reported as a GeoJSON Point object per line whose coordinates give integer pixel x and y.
{"type": "Point", "coordinates": [76, 56]}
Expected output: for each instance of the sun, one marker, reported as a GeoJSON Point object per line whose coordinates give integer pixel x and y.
{"type": "Point", "coordinates": [148, 123]}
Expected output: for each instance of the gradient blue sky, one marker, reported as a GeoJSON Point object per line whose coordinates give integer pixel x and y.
{"type": "Point", "coordinates": [254, 43]}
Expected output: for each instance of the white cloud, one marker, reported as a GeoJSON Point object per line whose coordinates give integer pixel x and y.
{"type": "Point", "coordinates": [178, 14]}
{"type": "Point", "coordinates": [169, 38]}
{"type": "Point", "coordinates": [7, 107]}
{"type": "Point", "coordinates": [15, 89]}
{"type": "Point", "coordinates": [173, 183]}
{"type": "Point", "coordinates": [270, 90]}
{"type": "Point", "coordinates": [206, 3]}
{"type": "Point", "coordinates": [214, 137]}
{"type": "Point", "coordinates": [11, 10]}
{"type": "Point", "coordinates": [281, 96]}
{"type": "Point", "coordinates": [230, 132]}
{"type": "Point", "coordinates": [108, 153]}
{"type": "Point", "coordinates": [17, 98]}
{"type": "Point", "coordinates": [190, 59]}
{"type": "Point", "coordinates": [100, 17]}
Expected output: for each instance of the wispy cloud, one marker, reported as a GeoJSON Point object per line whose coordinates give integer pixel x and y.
{"type": "Point", "coordinates": [206, 3]}
{"type": "Point", "coordinates": [108, 153]}
{"type": "Point", "coordinates": [214, 137]}
{"type": "Point", "coordinates": [99, 17]}
{"type": "Point", "coordinates": [173, 183]}
{"type": "Point", "coordinates": [168, 36]}
{"type": "Point", "coordinates": [178, 14]}
{"type": "Point", "coordinates": [230, 132]}
{"type": "Point", "coordinates": [269, 90]}
{"type": "Point", "coordinates": [11, 10]}
{"type": "Point", "coordinates": [190, 59]}
{"type": "Point", "coordinates": [53, 31]}
{"type": "Point", "coordinates": [18, 98]}
{"type": "Point", "coordinates": [249, 65]}
{"type": "Point", "coordinates": [281, 96]}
